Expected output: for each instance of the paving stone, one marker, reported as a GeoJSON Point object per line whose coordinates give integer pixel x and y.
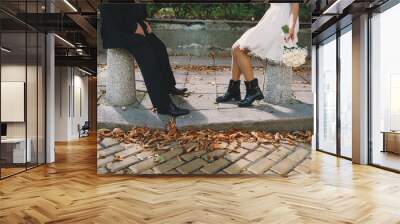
{"type": "Point", "coordinates": [145, 154]}
{"type": "Point", "coordinates": [147, 172]}
{"type": "Point", "coordinates": [226, 105]}
{"type": "Point", "coordinates": [172, 153]}
{"type": "Point", "coordinates": [261, 166]}
{"type": "Point", "coordinates": [284, 166]}
{"type": "Point", "coordinates": [191, 155]}
{"type": "Point", "coordinates": [299, 155]}
{"type": "Point", "coordinates": [140, 86]}
{"type": "Point", "coordinates": [108, 165]}
{"type": "Point", "coordinates": [119, 165]}
{"type": "Point", "coordinates": [214, 155]}
{"type": "Point", "coordinates": [146, 103]}
{"type": "Point", "coordinates": [292, 173]}
{"type": "Point", "coordinates": [198, 172]}
{"type": "Point", "coordinates": [279, 154]}
{"type": "Point", "coordinates": [237, 167]}
{"type": "Point", "coordinates": [180, 78]}
{"type": "Point", "coordinates": [102, 170]}
{"type": "Point", "coordinates": [111, 150]}
{"type": "Point", "coordinates": [143, 166]}
{"type": "Point", "coordinates": [255, 155]}
{"type": "Point", "coordinates": [215, 166]}
{"type": "Point", "coordinates": [99, 147]}
{"type": "Point", "coordinates": [131, 150]}
{"type": "Point", "coordinates": [103, 161]}
{"type": "Point", "coordinates": [270, 172]}
{"type": "Point", "coordinates": [233, 156]}
{"type": "Point", "coordinates": [107, 142]}
{"type": "Point", "coordinates": [167, 166]}
{"type": "Point", "coordinates": [304, 146]}
{"type": "Point", "coordinates": [196, 78]}
{"type": "Point", "coordinates": [268, 146]}
{"type": "Point", "coordinates": [263, 149]}
{"type": "Point", "coordinates": [191, 166]}
{"type": "Point", "coordinates": [172, 172]}
{"type": "Point", "coordinates": [232, 146]}
{"type": "Point", "coordinates": [199, 101]}
{"type": "Point", "coordinates": [222, 78]}
{"type": "Point", "coordinates": [290, 147]}
{"type": "Point", "coordinates": [249, 145]}
{"type": "Point", "coordinates": [202, 89]}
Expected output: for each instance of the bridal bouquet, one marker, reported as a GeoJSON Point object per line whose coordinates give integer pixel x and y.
{"type": "Point", "coordinates": [293, 54]}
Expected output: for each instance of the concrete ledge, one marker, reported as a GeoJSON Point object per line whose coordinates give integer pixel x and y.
{"type": "Point", "coordinates": [267, 118]}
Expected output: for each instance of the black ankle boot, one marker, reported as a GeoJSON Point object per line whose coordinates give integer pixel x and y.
{"type": "Point", "coordinates": [253, 92]}
{"type": "Point", "coordinates": [233, 92]}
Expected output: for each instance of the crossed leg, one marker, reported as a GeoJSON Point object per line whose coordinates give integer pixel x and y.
{"type": "Point", "coordinates": [241, 63]}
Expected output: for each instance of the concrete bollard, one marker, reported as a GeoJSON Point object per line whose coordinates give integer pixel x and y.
{"type": "Point", "coordinates": [120, 85]}
{"type": "Point", "coordinates": [278, 83]}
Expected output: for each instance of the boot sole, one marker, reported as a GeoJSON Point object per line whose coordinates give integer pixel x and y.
{"type": "Point", "coordinates": [230, 100]}
{"type": "Point", "coordinates": [250, 105]}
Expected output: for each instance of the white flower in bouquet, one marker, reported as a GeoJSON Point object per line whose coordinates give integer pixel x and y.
{"type": "Point", "coordinates": [293, 55]}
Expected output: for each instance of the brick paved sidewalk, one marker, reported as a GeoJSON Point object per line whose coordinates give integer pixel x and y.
{"type": "Point", "coordinates": [249, 158]}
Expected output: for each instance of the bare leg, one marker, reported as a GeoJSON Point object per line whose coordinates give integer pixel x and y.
{"type": "Point", "coordinates": [235, 67]}
{"type": "Point", "coordinates": [233, 91]}
{"type": "Point", "coordinates": [244, 62]}
{"type": "Point", "coordinates": [253, 91]}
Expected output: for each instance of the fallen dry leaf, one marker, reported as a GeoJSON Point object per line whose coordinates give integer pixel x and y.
{"type": "Point", "coordinates": [194, 140]}
{"type": "Point", "coordinates": [118, 158]}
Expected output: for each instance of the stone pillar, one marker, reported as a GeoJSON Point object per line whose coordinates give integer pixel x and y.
{"type": "Point", "coordinates": [120, 85]}
{"type": "Point", "coordinates": [278, 83]}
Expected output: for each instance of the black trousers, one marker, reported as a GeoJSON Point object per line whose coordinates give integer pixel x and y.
{"type": "Point", "coordinates": [151, 55]}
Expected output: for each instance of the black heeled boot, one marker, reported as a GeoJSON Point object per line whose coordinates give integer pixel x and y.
{"type": "Point", "coordinates": [253, 92]}
{"type": "Point", "coordinates": [233, 92]}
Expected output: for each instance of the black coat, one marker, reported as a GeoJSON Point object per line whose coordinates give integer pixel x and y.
{"type": "Point", "coordinates": [119, 23]}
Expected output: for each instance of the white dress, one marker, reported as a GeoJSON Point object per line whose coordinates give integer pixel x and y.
{"type": "Point", "coordinates": [266, 39]}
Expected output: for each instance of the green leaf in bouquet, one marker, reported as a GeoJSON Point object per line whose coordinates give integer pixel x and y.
{"type": "Point", "coordinates": [285, 29]}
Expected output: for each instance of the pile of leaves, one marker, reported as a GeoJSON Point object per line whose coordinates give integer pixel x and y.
{"type": "Point", "coordinates": [201, 68]}
{"type": "Point", "coordinates": [205, 68]}
{"type": "Point", "coordinates": [194, 140]}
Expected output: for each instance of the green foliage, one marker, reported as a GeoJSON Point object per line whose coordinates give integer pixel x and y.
{"type": "Point", "coordinates": [231, 11]}
{"type": "Point", "coordinates": [285, 29]}
{"type": "Point", "coordinates": [305, 13]}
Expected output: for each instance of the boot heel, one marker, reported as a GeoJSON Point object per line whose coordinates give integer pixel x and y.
{"type": "Point", "coordinates": [260, 97]}
{"type": "Point", "coordinates": [237, 99]}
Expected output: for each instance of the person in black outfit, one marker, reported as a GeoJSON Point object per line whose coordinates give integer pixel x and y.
{"type": "Point", "coordinates": [125, 26]}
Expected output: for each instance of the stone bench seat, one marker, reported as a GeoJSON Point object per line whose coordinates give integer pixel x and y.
{"type": "Point", "coordinates": [120, 88]}
{"type": "Point", "coordinates": [278, 83]}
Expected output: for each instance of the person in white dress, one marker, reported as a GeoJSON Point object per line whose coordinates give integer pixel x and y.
{"type": "Point", "coordinates": [266, 41]}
